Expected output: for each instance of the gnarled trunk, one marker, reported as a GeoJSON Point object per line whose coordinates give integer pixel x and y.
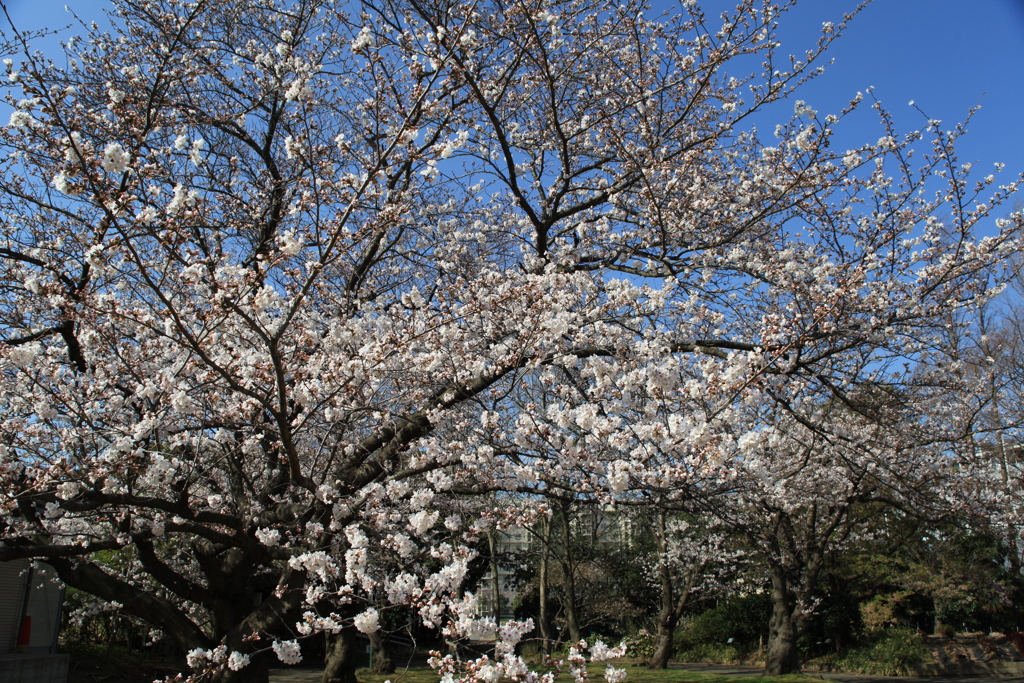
{"type": "Point", "coordinates": [340, 658]}
{"type": "Point", "coordinates": [783, 656]}
{"type": "Point", "coordinates": [382, 663]}
{"type": "Point", "coordinates": [793, 584]}
{"type": "Point", "coordinates": [663, 647]}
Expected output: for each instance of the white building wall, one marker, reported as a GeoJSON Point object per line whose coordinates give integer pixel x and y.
{"type": "Point", "coordinates": [13, 578]}
{"type": "Point", "coordinates": [43, 603]}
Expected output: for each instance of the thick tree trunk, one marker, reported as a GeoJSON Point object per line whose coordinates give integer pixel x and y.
{"type": "Point", "coordinates": [382, 663]}
{"type": "Point", "coordinates": [340, 658]}
{"type": "Point", "coordinates": [789, 608]}
{"type": "Point", "coordinates": [235, 616]}
{"type": "Point", "coordinates": [1004, 469]}
{"type": "Point", "coordinates": [783, 656]}
{"type": "Point", "coordinates": [663, 647]}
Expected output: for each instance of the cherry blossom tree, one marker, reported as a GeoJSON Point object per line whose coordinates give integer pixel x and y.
{"type": "Point", "coordinates": [988, 352]}
{"type": "Point", "coordinates": [691, 559]}
{"type": "Point", "coordinates": [804, 496]}
{"type": "Point", "coordinates": [272, 271]}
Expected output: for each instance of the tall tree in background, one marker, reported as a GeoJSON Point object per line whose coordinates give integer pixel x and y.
{"type": "Point", "coordinates": [989, 350]}
{"type": "Point", "coordinates": [802, 493]}
{"type": "Point", "coordinates": [691, 559]}
{"type": "Point", "coordinates": [272, 270]}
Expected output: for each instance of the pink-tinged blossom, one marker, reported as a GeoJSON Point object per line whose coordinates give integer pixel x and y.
{"type": "Point", "coordinates": [618, 477]}
{"type": "Point", "coordinates": [195, 154]}
{"type": "Point", "coordinates": [363, 40]}
{"type": "Point", "coordinates": [316, 562]}
{"type": "Point", "coordinates": [146, 216]}
{"type": "Point", "coordinates": [367, 621]}
{"type": "Point", "coordinates": [305, 337]}
{"type": "Point", "coordinates": [298, 90]}
{"type": "Point", "coordinates": [76, 148]}
{"type": "Point", "coordinates": [196, 657]}
{"type": "Point", "coordinates": [115, 158]}
{"type": "Point", "coordinates": [287, 651]}
{"type": "Point", "coordinates": [269, 537]}
{"type": "Point", "coordinates": [421, 499]}
{"type": "Point", "coordinates": [62, 184]}
{"type": "Point", "coordinates": [401, 588]}
{"type": "Point", "coordinates": [238, 661]}
{"type": "Point", "coordinates": [183, 198]}
{"type": "Point", "coordinates": [23, 355]}
{"type": "Point", "coordinates": [422, 521]}
{"type": "Point", "coordinates": [613, 675]}
{"type": "Point", "coordinates": [20, 119]}
{"type": "Point", "coordinates": [289, 245]}
{"type": "Point", "coordinates": [600, 652]}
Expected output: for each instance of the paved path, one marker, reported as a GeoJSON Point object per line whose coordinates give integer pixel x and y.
{"type": "Point", "coordinates": [296, 675]}
{"type": "Point", "coordinates": [840, 677]}
{"type": "Point", "coordinates": [312, 675]}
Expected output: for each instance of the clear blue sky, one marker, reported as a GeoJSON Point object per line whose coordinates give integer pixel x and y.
{"type": "Point", "coordinates": [946, 55]}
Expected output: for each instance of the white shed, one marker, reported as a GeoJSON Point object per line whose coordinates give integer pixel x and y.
{"type": "Point", "coordinates": [31, 601]}
{"type": "Point", "coordinates": [13, 581]}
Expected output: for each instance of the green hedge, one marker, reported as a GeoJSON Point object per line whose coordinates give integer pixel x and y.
{"type": "Point", "coordinates": [743, 619]}
{"type": "Point", "coordinates": [893, 652]}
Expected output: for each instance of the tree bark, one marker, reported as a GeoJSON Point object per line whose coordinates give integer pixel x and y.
{"type": "Point", "coordinates": [235, 616]}
{"type": "Point", "coordinates": [783, 656]}
{"type": "Point", "coordinates": [1004, 468]}
{"type": "Point", "coordinates": [663, 646]}
{"type": "Point", "coordinates": [789, 606]}
{"type": "Point", "coordinates": [382, 662]}
{"type": "Point", "coordinates": [340, 658]}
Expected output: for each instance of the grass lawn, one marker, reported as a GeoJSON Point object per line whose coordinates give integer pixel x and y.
{"type": "Point", "coordinates": [637, 674]}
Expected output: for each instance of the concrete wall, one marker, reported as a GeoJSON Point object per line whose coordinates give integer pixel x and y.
{"type": "Point", "coordinates": [27, 668]}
